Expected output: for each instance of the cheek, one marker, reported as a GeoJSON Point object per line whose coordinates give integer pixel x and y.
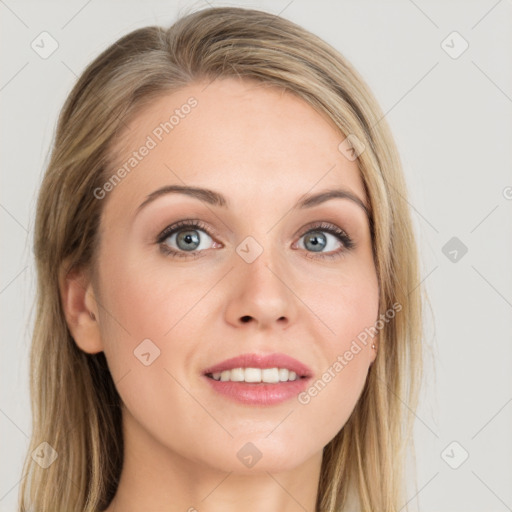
{"type": "Point", "coordinates": [143, 310]}
{"type": "Point", "coordinates": [147, 299]}
{"type": "Point", "coordinates": [348, 309]}
{"type": "Point", "coordinates": [346, 304]}
{"type": "Point", "coordinates": [148, 335]}
{"type": "Point", "coordinates": [326, 405]}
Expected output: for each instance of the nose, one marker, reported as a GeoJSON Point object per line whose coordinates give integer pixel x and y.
{"type": "Point", "coordinates": [261, 293]}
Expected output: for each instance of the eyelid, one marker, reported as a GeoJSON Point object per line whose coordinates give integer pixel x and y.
{"type": "Point", "coordinates": [328, 227]}
{"type": "Point", "coordinates": [196, 223]}
{"type": "Point", "coordinates": [331, 228]}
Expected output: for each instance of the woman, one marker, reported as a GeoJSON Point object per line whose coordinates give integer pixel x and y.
{"type": "Point", "coordinates": [228, 301]}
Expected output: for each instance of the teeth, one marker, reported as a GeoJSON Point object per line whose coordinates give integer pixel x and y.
{"type": "Point", "coordinates": [269, 375]}
{"type": "Point", "coordinates": [252, 375]}
{"type": "Point", "coordinates": [237, 374]}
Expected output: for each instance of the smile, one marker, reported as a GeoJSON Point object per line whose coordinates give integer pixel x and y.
{"type": "Point", "coordinates": [255, 375]}
{"type": "Point", "coordinates": [258, 379]}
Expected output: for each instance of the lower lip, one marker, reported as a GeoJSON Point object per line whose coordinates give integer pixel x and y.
{"type": "Point", "coordinates": [259, 393]}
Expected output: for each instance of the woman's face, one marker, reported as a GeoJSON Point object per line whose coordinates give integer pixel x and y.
{"type": "Point", "coordinates": [259, 276]}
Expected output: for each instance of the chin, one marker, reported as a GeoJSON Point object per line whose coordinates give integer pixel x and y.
{"type": "Point", "coordinates": [256, 455]}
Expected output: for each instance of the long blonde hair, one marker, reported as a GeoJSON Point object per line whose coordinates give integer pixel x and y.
{"type": "Point", "coordinates": [76, 408]}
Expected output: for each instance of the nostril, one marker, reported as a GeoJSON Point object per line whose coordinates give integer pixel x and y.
{"type": "Point", "coordinates": [245, 319]}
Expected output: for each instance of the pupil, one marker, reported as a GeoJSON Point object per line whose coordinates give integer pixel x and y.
{"type": "Point", "coordinates": [188, 237]}
{"type": "Point", "coordinates": [318, 242]}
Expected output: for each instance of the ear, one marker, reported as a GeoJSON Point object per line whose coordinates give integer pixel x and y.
{"type": "Point", "coordinates": [80, 308]}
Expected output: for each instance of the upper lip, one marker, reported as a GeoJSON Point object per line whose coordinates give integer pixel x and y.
{"type": "Point", "coordinates": [261, 361]}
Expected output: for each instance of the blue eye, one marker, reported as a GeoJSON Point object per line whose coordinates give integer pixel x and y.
{"type": "Point", "coordinates": [184, 239]}
{"type": "Point", "coordinates": [317, 241]}
{"type": "Point", "coordinates": [185, 235]}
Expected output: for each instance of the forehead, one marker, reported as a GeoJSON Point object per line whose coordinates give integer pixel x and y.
{"type": "Point", "coordinates": [244, 138]}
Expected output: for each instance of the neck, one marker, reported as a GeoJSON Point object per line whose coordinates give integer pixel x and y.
{"type": "Point", "coordinates": [157, 478]}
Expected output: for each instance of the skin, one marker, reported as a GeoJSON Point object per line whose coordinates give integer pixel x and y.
{"type": "Point", "coordinates": [263, 149]}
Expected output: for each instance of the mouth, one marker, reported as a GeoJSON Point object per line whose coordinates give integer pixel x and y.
{"type": "Point", "coordinates": [255, 379]}
{"type": "Point", "coordinates": [256, 375]}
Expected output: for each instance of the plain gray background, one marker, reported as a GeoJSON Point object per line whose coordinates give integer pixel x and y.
{"type": "Point", "coordinates": [451, 116]}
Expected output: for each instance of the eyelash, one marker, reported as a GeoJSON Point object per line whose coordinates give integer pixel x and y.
{"type": "Point", "coordinates": [195, 224]}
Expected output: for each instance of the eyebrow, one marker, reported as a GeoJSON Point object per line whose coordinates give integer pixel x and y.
{"type": "Point", "coordinates": [217, 199]}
